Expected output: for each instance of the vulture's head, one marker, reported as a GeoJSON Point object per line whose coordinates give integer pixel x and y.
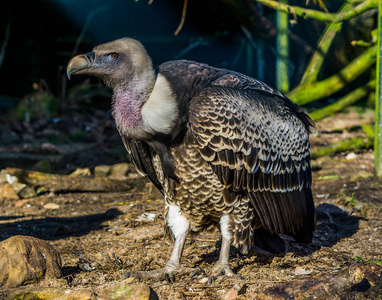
{"type": "Point", "coordinates": [117, 63]}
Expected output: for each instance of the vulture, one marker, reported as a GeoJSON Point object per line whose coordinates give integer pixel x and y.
{"type": "Point", "coordinates": [225, 150]}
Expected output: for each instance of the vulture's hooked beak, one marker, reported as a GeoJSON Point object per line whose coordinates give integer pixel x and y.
{"type": "Point", "coordinates": [80, 64]}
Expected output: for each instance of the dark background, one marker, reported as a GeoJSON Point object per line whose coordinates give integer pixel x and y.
{"type": "Point", "coordinates": [43, 35]}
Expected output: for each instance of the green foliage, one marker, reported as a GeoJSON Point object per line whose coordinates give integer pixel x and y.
{"type": "Point", "coordinates": [349, 201]}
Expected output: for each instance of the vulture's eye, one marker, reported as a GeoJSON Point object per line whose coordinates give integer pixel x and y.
{"type": "Point", "coordinates": [114, 56]}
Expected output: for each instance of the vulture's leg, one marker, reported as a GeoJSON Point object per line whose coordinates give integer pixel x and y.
{"type": "Point", "coordinates": [179, 226]}
{"type": "Point", "coordinates": [222, 265]}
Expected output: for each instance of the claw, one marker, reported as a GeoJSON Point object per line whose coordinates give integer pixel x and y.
{"type": "Point", "coordinates": [220, 269]}
{"type": "Point", "coordinates": [197, 272]}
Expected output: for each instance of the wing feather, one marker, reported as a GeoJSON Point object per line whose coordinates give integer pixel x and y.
{"type": "Point", "coordinates": [258, 142]}
{"type": "Point", "coordinates": [141, 157]}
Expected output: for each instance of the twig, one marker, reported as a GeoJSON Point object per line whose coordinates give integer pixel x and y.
{"type": "Point", "coordinates": [319, 15]}
{"type": "Point", "coordinates": [183, 17]}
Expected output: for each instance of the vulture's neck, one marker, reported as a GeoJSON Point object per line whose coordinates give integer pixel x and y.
{"type": "Point", "coordinates": [145, 107]}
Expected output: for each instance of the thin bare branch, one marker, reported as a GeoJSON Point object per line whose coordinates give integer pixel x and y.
{"type": "Point", "coordinates": [183, 17]}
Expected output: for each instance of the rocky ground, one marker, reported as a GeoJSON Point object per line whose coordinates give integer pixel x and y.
{"type": "Point", "coordinates": [103, 235]}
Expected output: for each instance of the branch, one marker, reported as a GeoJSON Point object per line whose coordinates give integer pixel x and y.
{"type": "Point", "coordinates": [356, 143]}
{"type": "Point", "coordinates": [319, 15]}
{"type": "Point", "coordinates": [67, 183]}
{"type": "Point", "coordinates": [344, 102]}
{"type": "Point", "coordinates": [183, 17]}
{"type": "Point", "coordinates": [305, 94]}
{"type": "Point", "coordinates": [317, 59]}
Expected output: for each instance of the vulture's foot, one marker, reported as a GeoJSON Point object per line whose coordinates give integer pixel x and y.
{"type": "Point", "coordinates": [168, 273]}
{"type": "Point", "coordinates": [220, 269]}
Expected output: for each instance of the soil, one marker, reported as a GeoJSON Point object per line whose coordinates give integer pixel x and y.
{"type": "Point", "coordinates": [103, 236]}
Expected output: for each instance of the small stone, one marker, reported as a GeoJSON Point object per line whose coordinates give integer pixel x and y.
{"type": "Point", "coordinates": [25, 260]}
{"type": "Point", "coordinates": [119, 171]}
{"type": "Point", "coordinates": [51, 206]}
{"type": "Point", "coordinates": [351, 156]}
{"type": "Point", "coordinates": [102, 171]}
{"type": "Point", "coordinates": [233, 292]}
{"type": "Point", "coordinates": [128, 291]}
{"type": "Point", "coordinates": [27, 192]}
{"type": "Point", "coordinates": [150, 217]}
{"type": "Point", "coordinates": [7, 192]}
{"type": "Point", "coordinates": [203, 280]}
{"type": "Point", "coordinates": [14, 182]}
{"type": "Point", "coordinates": [301, 271]}
{"type": "Point", "coordinates": [82, 172]}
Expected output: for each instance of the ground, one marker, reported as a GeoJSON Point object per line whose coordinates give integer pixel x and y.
{"type": "Point", "coordinates": [101, 236]}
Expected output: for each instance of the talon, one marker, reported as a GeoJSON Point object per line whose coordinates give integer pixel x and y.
{"type": "Point", "coordinates": [197, 272]}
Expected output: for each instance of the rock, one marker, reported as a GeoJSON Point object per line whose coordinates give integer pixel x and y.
{"type": "Point", "coordinates": [14, 182]}
{"type": "Point", "coordinates": [80, 294]}
{"type": "Point", "coordinates": [82, 172]}
{"type": "Point", "coordinates": [25, 260]}
{"type": "Point", "coordinates": [233, 292]}
{"type": "Point", "coordinates": [203, 280]}
{"type": "Point", "coordinates": [102, 171]}
{"type": "Point", "coordinates": [27, 192]}
{"type": "Point", "coordinates": [351, 156]}
{"type": "Point", "coordinates": [21, 189]}
{"type": "Point", "coordinates": [301, 271]}
{"type": "Point", "coordinates": [7, 192]}
{"type": "Point", "coordinates": [39, 293]}
{"type": "Point", "coordinates": [127, 291]}
{"type": "Point", "coordinates": [119, 171]}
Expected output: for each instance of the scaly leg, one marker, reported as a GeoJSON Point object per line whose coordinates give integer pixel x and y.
{"type": "Point", "coordinates": [222, 265]}
{"type": "Point", "coordinates": [179, 226]}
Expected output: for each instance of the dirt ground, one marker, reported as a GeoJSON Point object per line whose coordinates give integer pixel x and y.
{"type": "Point", "coordinates": [102, 236]}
